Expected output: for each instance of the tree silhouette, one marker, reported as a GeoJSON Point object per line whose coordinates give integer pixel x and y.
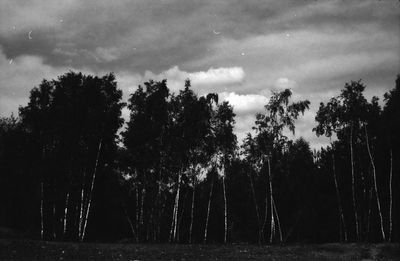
{"type": "Point", "coordinates": [75, 120]}
{"type": "Point", "coordinates": [69, 170]}
{"type": "Point", "coordinates": [280, 114]}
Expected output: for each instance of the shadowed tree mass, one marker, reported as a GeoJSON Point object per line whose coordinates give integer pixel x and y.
{"type": "Point", "coordinates": [70, 170]}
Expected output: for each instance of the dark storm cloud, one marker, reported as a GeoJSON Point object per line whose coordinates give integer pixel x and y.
{"type": "Point", "coordinates": [147, 34]}
{"type": "Point", "coordinates": [252, 46]}
{"type": "Point", "coordinates": [159, 34]}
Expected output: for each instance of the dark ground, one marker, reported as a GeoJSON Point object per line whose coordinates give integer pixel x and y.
{"type": "Point", "coordinates": [36, 250]}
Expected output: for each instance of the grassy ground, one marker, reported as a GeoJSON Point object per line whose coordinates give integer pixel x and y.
{"type": "Point", "coordinates": [36, 250]}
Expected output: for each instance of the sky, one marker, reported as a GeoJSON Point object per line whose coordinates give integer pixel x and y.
{"type": "Point", "coordinates": [241, 50]}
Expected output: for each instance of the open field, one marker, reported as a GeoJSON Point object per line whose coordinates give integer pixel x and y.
{"type": "Point", "coordinates": [36, 250]}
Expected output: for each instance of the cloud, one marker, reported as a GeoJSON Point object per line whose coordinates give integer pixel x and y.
{"type": "Point", "coordinates": [156, 35]}
{"type": "Point", "coordinates": [211, 80]}
{"type": "Point", "coordinates": [18, 76]}
{"type": "Point", "coordinates": [218, 76]}
{"type": "Point", "coordinates": [245, 107]}
{"type": "Point", "coordinates": [312, 47]}
{"type": "Point", "coordinates": [244, 104]}
{"type": "Point", "coordinates": [285, 83]}
{"type": "Point", "coordinates": [107, 54]}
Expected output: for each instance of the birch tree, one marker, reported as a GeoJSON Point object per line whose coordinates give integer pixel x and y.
{"type": "Point", "coordinates": [280, 115]}
{"type": "Point", "coordinates": [348, 116]}
{"type": "Point", "coordinates": [391, 121]}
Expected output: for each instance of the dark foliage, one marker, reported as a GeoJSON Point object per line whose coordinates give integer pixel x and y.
{"type": "Point", "coordinates": [69, 170]}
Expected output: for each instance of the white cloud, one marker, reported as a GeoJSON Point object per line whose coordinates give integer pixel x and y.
{"type": "Point", "coordinates": [218, 76]}
{"type": "Point", "coordinates": [128, 82]}
{"type": "Point", "coordinates": [212, 80]}
{"type": "Point", "coordinates": [243, 104]}
{"type": "Point", "coordinates": [285, 83]}
{"type": "Point", "coordinates": [19, 75]}
{"type": "Point", "coordinates": [245, 107]}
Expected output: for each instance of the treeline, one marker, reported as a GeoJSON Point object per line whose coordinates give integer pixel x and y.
{"type": "Point", "coordinates": [176, 172]}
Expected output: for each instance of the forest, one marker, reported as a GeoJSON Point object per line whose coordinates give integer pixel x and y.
{"type": "Point", "coordinates": [71, 169]}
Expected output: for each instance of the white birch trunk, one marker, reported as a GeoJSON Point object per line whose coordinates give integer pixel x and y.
{"type": "Point", "coordinates": [41, 212]}
{"type": "Point", "coordinates": [353, 184]}
{"type": "Point", "coordinates": [192, 211]}
{"type": "Point", "coordinates": [91, 193]}
{"type": "Point", "coordinates": [82, 204]}
{"type": "Point", "coordinates": [266, 204]}
{"type": "Point", "coordinates": [81, 213]}
{"type": "Point", "coordinates": [65, 214]}
{"type": "Point", "coordinates": [208, 210]}
{"type": "Point", "coordinates": [260, 233]}
{"type": "Point", "coordinates": [174, 236]}
{"type": "Point", "coordinates": [271, 202]}
{"type": "Point", "coordinates": [225, 211]}
{"type": "Point", "coordinates": [375, 185]}
{"type": "Point", "coordinates": [171, 232]}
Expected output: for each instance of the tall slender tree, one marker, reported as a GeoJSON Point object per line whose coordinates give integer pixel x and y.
{"type": "Point", "coordinates": [280, 115]}
{"type": "Point", "coordinates": [347, 115]}
{"type": "Point", "coordinates": [391, 116]}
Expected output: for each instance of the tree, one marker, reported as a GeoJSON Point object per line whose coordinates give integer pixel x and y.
{"type": "Point", "coordinates": [75, 120]}
{"type": "Point", "coordinates": [224, 145]}
{"type": "Point", "coordinates": [146, 140]}
{"type": "Point", "coordinates": [391, 116]}
{"type": "Point", "coordinates": [280, 114]}
{"type": "Point", "coordinates": [190, 133]}
{"type": "Point", "coordinates": [225, 142]}
{"type": "Point", "coordinates": [250, 153]}
{"type": "Point", "coordinates": [347, 115]}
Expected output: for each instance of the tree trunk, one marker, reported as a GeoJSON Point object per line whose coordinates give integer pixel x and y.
{"type": "Point", "coordinates": [225, 211]}
{"type": "Point", "coordinates": [208, 210]}
{"type": "Point", "coordinates": [42, 196]}
{"type": "Point", "coordinates": [375, 185]}
{"type": "Point", "coordinates": [81, 210]}
{"type": "Point", "coordinates": [91, 192]}
{"type": "Point", "coordinates": [82, 203]}
{"type": "Point", "coordinates": [137, 214]}
{"type": "Point", "coordinates": [266, 204]}
{"type": "Point", "coordinates": [177, 206]}
{"type": "Point", "coordinates": [141, 212]}
{"type": "Point", "coordinates": [130, 224]}
{"type": "Point", "coordinates": [181, 216]}
{"type": "Point", "coordinates": [192, 211]}
{"type": "Point", "coordinates": [65, 215]}
{"type": "Point", "coordinates": [353, 184]}
{"type": "Point", "coordinates": [174, 226]}
{"type": "Point", "coordinates": [157, 207]}
{"type": "Point", "coordinates": [260, 234]}
{"type": "Point", "coordinates": [277, 221]}
{"type": "Point", "coordinates": [342, 223]}
{"type": "Point", "coordinates": [54, 220]}
{"type": "Point", "coordinates": [163, 203]}
{"type": "Point", "coordinates": [369, 213]}
{"type": "Point", "coordinates": [41, 212]}
{"type": "Point", "coordinates": [391, 196]}
{"type": "Point", "coordinates": [271, 202]}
